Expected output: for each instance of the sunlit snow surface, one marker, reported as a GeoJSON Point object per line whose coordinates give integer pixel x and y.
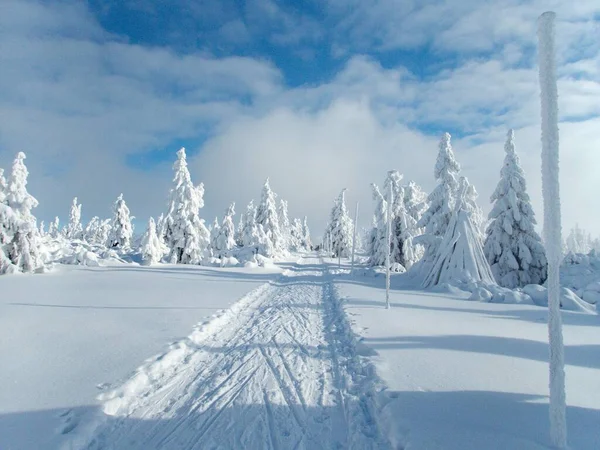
{"type": "Point", "coordinates": [280, 367]}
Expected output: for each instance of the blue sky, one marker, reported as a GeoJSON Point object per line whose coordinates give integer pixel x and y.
{"type": "Point", "coordinates": [317, 95]}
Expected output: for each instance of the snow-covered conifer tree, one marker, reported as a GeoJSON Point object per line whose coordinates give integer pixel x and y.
{"type": "Point", "coordinates": [441, 200]}
{"type": "Point", "coordinates": [215, 230]}
{"type": "Point", "coordinates": [404, 228]}
{"type": "Point", "coordinates": [20, 244]}
{"type": "Point", "coordinates": [160, 227]}
{"type": "Point", "coordinates": [472, 208]}
{"type": "Point", "coordinates": [74, 229]}
{"type": "Point", "coordinates": [122, 230]}
{"type": "Point", "coordinates": [3, 186]}
{"type": "Point", "coordinates": [460, 255]}
{"type": "Point", "coordinates": [284, 223]}
{"type": "Point", "coordinates": [239, 231]}
{"type": "Point", "coordinates": [90, 234]}
{"type": "Point", "coordinates": [578, 241]}
{"type": "Point", "coordinates": [266, 215]}
{"type": "Point", "coordinates": [415, 203]}
{"type": "Point", "coordinates": [512, 247]}
{"type": "Point", "coordinates": [17, 197]}
{"type": "Point", "coordinates": [250, 234]}
{"type": "Point", "coordinates": [54, 228]}
{"type": "Point", "coordinates": [226, 237]}
{"type": "Point", "coordinates": [185, 234]}
{"type": "Point", "coordinates": [340, 228]}
{"type": "Point", "coordinates": [104, 231]}
{"type": "Point", "coordinates": [265, 245]}
{"type": "Point", "coordinates": [415, 200]}
{"type": "Point", "coordinates": [306, 240]}
{"type": "Point", "coordinates": [377, 239]}
{"type": "Point", "coordinates": [151, 247]}
{"type": "Point", "coordinates": [296, 236]}
{"type": "Point", "coordinates": [42, 229]}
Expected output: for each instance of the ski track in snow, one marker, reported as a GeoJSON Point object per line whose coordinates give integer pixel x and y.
{"type": "Point", "coordinates": [279, 373]}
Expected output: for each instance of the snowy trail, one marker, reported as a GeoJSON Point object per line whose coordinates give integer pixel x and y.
{"type": "Point", "coordinates": [279, 373]}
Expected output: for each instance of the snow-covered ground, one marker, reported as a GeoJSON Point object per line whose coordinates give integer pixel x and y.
{"type": "Point", "coordinates": [275, 372]}
{"type": "Point", "coordinates": [471, 375]}
{"type": "Point", "coordinates": [65, 333]}
{"type": "Point", "coordinates": [280, 367]}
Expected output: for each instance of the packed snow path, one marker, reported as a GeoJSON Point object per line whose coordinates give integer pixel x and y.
{"type": "Point", "coordinates": [279, 372]}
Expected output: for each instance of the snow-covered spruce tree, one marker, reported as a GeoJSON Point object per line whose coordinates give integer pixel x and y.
{"type": "Point", "coordinates": [3, 186]}
{"type": "Point", "coordinates": [20, 243]}
{"type": "Point", "coordinates": [377, 248]}
{"type": "Point", "coordinates": [296, 236]}
{"type": "Point", "coordinates": [284, 223]}
{"type": "Point", "coordinates": [54, 228]}
{"type": "Point", "coordinates": [267, 216]}
{"type": "Point", "coordinates": [441, 201]}
{"type": "Point", "coordinates": [104, 231]}
{"type": "Point", "coordinates": [239, 231]}
{"type": "Point", "coordinates": [415, 200]}
{"type": "Point", "coordinates": [472, 208]}
{"type": "Point", "coordinates": [415, 203]}
{"type": "Point", "coordinates": [404, 226]}
{"type": "Point", "coordinates": [160, 232]}
{"type": "Point", "coordinates": [460, 255]}
{"type": "Point", "coordinates": [160, 227]}
{"type": "Point", "coordinates": [512, 247]}
{"type": "Point", "coordinates": [340, 227]}
{"type": "Point", "coordinates": [226, 237]}
{"type": "Point", "coordinates": [42, 229]}
{"type": "Point", "coordinates": [214, 231]}
{"type": "Point", "coordinates": [306, 240]}
{"type": "Point", "coordinates": [17, 197]}
{"type": "Point", "coordinates": [265, 245]}
{"type": "Point", "coordinates": [90, 233]}
{"type": "Point", "coordinates": [392, 183]}
{"type": "Point", "coordinates": [185, 234]}
{"type": "Point", "coordinates": [74, 229]}
{"type": "Point", "coordinates": [250, 234]}
{"type": "Point", "coordinates": [151, 247]}
{"type": "Point", "coordinates": [578, 241]}
{"type": "Point", "coordinates": [121, 230]}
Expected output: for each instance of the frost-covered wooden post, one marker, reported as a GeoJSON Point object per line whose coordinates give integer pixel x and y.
{"type": "Point", "coordinates": [354, 238]}
{"type": "Point", "coordinates": [552, 226]}
{"type": "Point", "coordinates": [388, 246]}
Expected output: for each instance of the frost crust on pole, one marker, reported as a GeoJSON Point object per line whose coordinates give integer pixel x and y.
{"type": "Point", "coordinates": [552, 225]}
{"type": "Point", "coordinates": [388, 247]}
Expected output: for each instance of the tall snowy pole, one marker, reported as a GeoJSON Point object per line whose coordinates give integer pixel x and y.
{"type": "Point", "coordinates": [552, 226]}
{"type": "Point", "coordinates": [354, 238]}
{"type": "Point", "coordinates": [389, 247]}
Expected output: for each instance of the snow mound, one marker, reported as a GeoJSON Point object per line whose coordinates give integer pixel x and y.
{"type": "Point", "coordinates": [569, 300]}
{"type": "Point", "coordinates": [82, 257]}
{"type": "Point", "coordinates": [532, 294]}
{"type": "Point", "coordinates": [481, 294]}
{"type": "Point", "coordinates": [581, 274]}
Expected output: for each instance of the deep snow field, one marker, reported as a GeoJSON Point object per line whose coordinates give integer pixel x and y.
{"type": "Point", "coordinates": [66, 333]}
{"type": "Point", "coordinates": [450, 373]}
{"type": "Point", "coordinates": [472, 375]}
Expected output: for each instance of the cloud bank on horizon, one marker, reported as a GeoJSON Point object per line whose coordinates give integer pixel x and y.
{"type": "Point", "coordinates": [322, 96]}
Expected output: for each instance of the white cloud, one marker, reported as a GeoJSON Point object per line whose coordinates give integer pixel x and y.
{"type": "Point", "coordinates": [310, 157]}
{"type": "Point", "coordinates": [77, 101]}
{"type": "Point", "coordinates": [449, 25]}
